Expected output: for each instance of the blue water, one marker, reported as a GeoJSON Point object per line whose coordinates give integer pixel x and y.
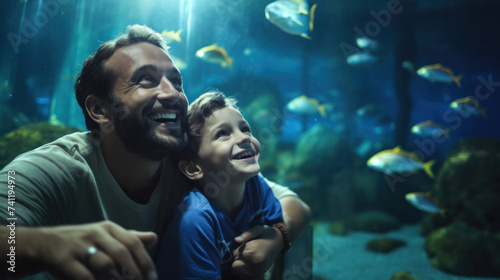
{"type": "Point", "coordinates": [46, 41]}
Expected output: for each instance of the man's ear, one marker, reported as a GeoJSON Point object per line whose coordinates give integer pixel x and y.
{"type": "Point", "coordinates": [98, 109]}
{"type": "Point", "coordinates": [192, 170]}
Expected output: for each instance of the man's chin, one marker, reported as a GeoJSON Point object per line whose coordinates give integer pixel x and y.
{"type": "Point", "coordinates": [167, 144]}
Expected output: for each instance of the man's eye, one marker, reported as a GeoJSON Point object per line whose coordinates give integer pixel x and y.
{"type": "Point", "coordinates": [177, 83]}
{"type": "Point", "coordinates": [147, 81]}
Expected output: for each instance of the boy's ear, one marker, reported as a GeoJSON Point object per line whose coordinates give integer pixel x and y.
{"type": "Point", "coordinates": [192, 170]}
{"type": "Point", "coordinates": [98, 109]}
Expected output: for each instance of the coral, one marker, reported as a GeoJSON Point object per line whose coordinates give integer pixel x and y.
{"type": "Point", "coordinates": [384, 245]}
{"type": "Point", "coordinates": [29, 137]}
{"type": "Point", "coordinates": [432, 222]}
{"type": "Point", "coordinates": [321, 158]}
{"type": "Point", "coordinates": [468, 184]}
{"type": "Point", "coordinates": [321, 151]}
{"type": "Point", "coordinates": [464, 250]}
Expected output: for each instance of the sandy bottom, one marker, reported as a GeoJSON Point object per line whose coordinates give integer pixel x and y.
{"type": "Point", "coordinates": [345, 257]}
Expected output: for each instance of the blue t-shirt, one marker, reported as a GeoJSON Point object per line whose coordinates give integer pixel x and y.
{"type": "Point", "coordinates": [199, 241]}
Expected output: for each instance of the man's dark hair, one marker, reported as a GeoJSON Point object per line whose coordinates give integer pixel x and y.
{"type": "Point", "coordinates": [95, 78]}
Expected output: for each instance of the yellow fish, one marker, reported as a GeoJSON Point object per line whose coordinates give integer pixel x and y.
{"type": "Point", "coordinates": [170, 36]}
{"type": "Point", "coordinates": [430, 128]}
{"type": "Point", "coordinates": [215, 54]}
{"type": "Point", "coordinates": [399, 161]}
{"type": "Point", "coordinates": [467, 105]}
{"type": "Point", "coordinates": [439, 73]}
{"type": "Point", "coordinates": [306, 105]}
{"type": "Point", "coordinates": [179, 62]}
{"type": "Point", "coordinates": [292, 16]}
{"type": "Point", "coordinates": [424, 202]}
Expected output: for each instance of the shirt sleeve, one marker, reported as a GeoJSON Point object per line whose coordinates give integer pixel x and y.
{"type": "Point", "coordinates": [279, 190]}
{"type": "Point", "coordinates": [39, 187]}
{"type": "Point", "coordinates": [271, 206]}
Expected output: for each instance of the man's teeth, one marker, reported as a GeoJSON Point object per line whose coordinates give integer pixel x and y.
{"type": "Point", "coordinates": [164, 116]}
{"type": "Point", "coordinates": [244, 155]}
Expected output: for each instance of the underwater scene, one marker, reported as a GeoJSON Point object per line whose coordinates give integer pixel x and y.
{"type": "Point", "coordinates": [382, 115]}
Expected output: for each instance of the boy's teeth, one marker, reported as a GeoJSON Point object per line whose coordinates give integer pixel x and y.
{"type": "Point", "coordinates": [244, 155]}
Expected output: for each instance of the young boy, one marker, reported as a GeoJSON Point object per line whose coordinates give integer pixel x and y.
{"type": "Point", "coordinates": [228, 197]}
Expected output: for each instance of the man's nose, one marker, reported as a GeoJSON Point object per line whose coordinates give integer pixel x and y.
{"type": "Point", "coordinates": [168, 90]}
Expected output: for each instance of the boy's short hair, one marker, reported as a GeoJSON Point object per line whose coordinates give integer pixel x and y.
{"type": "Point", "coordinates": [202, 108]}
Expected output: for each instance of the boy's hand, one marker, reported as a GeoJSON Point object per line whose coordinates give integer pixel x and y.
{"type": "Point", "coordinates": [260, 246]}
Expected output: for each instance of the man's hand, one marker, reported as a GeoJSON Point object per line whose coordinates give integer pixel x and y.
{"type": "Point", "coordinates": [260, 246]}
{"type": "Point", "coordinates": [63, 250]}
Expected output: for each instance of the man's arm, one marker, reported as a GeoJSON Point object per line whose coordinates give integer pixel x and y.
{"type": "Point", "coordinates": [296, 214]}
{"type": "Point", "coordinates": [63, 250]}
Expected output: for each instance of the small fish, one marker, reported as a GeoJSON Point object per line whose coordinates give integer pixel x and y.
{"type": "Point", "coordinates": [429, 128]}
{"type": "Point", "coordinates": [292, 16]}
{"type": "Point", "coordinates": [399, 161]}
{"type": "Point", "coordinates": [215, 54]}
{"type": "Point", "coordinates": [367, 110]}
{"type": "Point", "coordinates": [367, 44]}
{"type": "Point", "coordinates": [424, 202]}
{"type": "Point", "coordinates": [179, 62]}
{"type": "Point", "coordinates": [408, 65]}
{"type": "Point", "coordinates": [361, 58]}
{"type": "Point", "coordinates": [170, 36]}
{"type": "Point", "coordinates": [306, 105]}
{"type": "Point", "coordinates": [439, 73]}
{"type": "Point", "coordinates": [467, 106]}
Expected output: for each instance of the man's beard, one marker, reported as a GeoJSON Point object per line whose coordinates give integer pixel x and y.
{"type": "Point", "coordinates": [143, 140]}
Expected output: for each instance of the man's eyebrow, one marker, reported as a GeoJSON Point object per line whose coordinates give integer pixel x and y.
{"type": "Point", "coordinates": [145, 68]}
{"type": "Point", "coordinates": [153, 68]}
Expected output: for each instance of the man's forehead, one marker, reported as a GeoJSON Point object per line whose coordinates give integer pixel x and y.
{"type": "Point", "coordinates": [128, 58]}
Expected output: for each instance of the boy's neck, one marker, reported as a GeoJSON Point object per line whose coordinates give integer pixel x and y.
{"type": "Point", "coordinates": [230, 198]}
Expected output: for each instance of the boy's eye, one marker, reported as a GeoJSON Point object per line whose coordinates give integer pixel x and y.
{"type": "Point", "coordinates": [221, 133]}
{"type": "Point", "coordinates": [246, 129]}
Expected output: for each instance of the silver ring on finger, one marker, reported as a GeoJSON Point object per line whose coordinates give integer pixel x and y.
{"type": "Point", "coordinates": [90, 252]}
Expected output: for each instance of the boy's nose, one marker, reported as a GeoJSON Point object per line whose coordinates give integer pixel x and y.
{"type": "Point", "coordinates": [243, 138]}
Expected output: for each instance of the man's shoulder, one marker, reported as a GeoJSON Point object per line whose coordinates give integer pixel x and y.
{"type": "Point", "coordinates": [69, 150]}
{"type": "Point", "coordinates": [83, 143]}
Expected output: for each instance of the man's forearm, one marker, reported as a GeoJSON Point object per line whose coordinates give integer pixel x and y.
{"type": "Point", "coordinates": [296, 214]}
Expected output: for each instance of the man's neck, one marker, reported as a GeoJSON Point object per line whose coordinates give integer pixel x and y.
{"type": "Point", "coordinates": [136, 175]}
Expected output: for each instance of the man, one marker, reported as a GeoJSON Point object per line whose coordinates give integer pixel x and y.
{"type": "Point", "coordinates": [74, 201]}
